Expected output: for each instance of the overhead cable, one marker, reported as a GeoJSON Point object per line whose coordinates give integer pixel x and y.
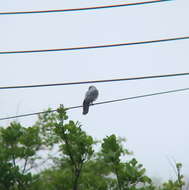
{"type": "Point", "coordinates": [96, 46]}
{"type": "Point", "coordinates": [99, 103]}
{"type": "Point", "coordinates": [94, 81]}
{"type": "Point", "coordinates": [82, 9]}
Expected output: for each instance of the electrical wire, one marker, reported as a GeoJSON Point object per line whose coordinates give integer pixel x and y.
{"type": "Point", "coordinates": [95, 46]}
{"type": "Point", "coordinates": [99, 103]}
{"type": "Point", "coordinates": [94, 81]}
{"type": "Point", "coordinates": [83, 9]}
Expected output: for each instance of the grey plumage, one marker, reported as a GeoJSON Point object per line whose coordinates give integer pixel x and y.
{"type": "Point", "coordinates": [90, 96]}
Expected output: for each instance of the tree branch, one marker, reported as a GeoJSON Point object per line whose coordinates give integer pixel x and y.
{"type": "Point", "coordinates": [26, 161]}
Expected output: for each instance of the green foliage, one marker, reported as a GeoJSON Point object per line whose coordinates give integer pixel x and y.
{"type": "Point", "coordinates": [20, 142]}
{"type": "Point", "coordinates": [112, 150]}
{"type": "Point", "coordinates": [7, 175]}
{"type": "Point", "coordinates": [75, 141]}
{"type": "Point", "coordinates": [95, 176]}
{"type": "Point", "coordinates": [77, 167]}
{"type": "Point", "coordinates": [128, 174]}
{"type": "Point", "coordinates": [132, 174]}
{"type": "Point", "coordinates": [17, 144]}
{"type": "Point", "coordinates": [177, 184]}
{"type": "Point", "coordinates": [46, 123]}
{"type": "Point", "coordinates": [74, 144]}
{"type": "Point", "coordinates": [53, 179]}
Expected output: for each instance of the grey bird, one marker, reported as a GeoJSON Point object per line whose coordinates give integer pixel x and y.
{"type": "Point", "coordinates": [90, 96]}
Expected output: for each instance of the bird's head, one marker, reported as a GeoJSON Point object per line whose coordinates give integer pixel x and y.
{"type": "Point", "coordinates": [91, 87]}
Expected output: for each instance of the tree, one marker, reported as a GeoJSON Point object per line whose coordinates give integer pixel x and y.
{"type": "Point", "coordinates": [178, 183]}
{"type": "Point", "coordinates": [95, 175]}
{"type": "Point", "coordinates": [74, 144]}
{"type": "Point", "coordinates": [18, 148]}
{"type": "Point", "coordinates": [77, 167]}
{"type": "Point", "coordinates": [130, 174]}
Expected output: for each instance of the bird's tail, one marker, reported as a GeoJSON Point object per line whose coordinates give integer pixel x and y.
{"type": "Point", "coordinates": [85, 107]}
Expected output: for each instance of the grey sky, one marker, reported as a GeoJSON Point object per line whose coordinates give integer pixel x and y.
{"type": "Point", "coordinates": [156, 127]}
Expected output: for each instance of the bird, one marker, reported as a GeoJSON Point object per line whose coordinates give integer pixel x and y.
{"type": "Point", "coordinates": [90, 96]}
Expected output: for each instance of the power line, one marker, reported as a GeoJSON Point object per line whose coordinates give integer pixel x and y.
{"type": "Point", "coordinates": [99, 103]}
{"type": "Point", "coordinates": [83, 9]}
{"type": "Point", "coordinates": [94, 81]}
{"type": "Point", "coordinates": [95, 46]}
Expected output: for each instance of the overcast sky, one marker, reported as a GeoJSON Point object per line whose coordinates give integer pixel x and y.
{"type": "Point", "coordinates": [156, 127]}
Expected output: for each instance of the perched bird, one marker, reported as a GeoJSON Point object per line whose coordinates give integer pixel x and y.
{"type": "Point", "coordinates": [90, 96]}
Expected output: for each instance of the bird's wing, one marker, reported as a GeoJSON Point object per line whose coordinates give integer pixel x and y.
{"type": "Point", "coordinates": [91, 95]}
